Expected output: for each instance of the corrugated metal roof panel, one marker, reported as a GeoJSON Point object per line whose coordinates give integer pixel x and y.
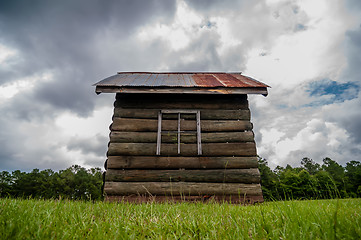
{"type": "Point", "coordinates": [178, 80]}
{"type": "Point", "coordinates": [154, 79]}
{"type": "Point", "coordinates": [207, 80]}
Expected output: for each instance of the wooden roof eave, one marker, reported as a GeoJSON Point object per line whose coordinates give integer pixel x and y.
{"type": "Point", "coordinates": [182, 90]}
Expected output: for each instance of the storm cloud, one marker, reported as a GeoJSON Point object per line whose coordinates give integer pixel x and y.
{"type": "Point", "coordinates": [52, 52]}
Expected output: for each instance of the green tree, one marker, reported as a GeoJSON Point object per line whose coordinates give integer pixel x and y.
{"type": "Point", "coordinates": [78, 183]}
{"type": "Point", "coordinates": [297, 182]}
{"type": "Point", "coordinates": [18, 183]}
{"type": "Point", "coordinates": [308, 185]}
{"type": "Point", "coordinates": [6, 181]}
{"type": "Point", "coordinates": [325, 185]}
{"type": "Point", "coordinates": [337, 172]}
{"type": "Point", "coordinates": [353, 178]}
{"type": "Point", "coordinates": [268, 180]}
{"type": "Point", "coordinates": [310, 166]}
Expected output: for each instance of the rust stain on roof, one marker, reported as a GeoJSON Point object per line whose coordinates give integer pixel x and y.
{"type": "Point", "coordinates": [206, 80]}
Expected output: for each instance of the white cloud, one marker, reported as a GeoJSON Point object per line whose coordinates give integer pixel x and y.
{"type": "Point", "coordinates": [317, 139]}
{"type": "Point", "coordinates": [73, 125]}
{"type": "Point", "coordinates": [6, 54]}
{"type": "Point", "coordinates": [312, 53]}
{"type": "Point", "coordinates": [10, 89]}
{"type": "Point", "coordinates": [179, 33]}
{"type": "Point", "coordinates": [58, 143]}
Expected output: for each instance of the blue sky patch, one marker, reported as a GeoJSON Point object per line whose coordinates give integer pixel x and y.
{"type": "Point", "coordinates": [332, 91]}
{"type": "Point", "coordinates": [300, 27]}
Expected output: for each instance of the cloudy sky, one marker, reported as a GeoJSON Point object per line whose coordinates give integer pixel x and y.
{"type": "Point", "coordinates": [51, 52]}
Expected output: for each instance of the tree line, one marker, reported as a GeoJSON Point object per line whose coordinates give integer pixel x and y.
{"type": "Point", "coordinates": [309, 181]}
{"type": "Point", "coordinates": [74, 182]}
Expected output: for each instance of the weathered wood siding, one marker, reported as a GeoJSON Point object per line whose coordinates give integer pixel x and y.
{"type": "Point", "coordinates": [160, 162]}
{"type": "Point", "coordinates": [227, 166]}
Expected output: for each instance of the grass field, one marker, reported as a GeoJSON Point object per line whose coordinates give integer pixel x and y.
{"type": "Point", "coordinates": [53, 219]}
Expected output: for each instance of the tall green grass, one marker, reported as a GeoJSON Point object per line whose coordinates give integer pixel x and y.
{"type": "Point", "coordinates": [63, 219]}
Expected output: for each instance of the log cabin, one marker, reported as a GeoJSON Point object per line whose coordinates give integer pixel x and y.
{"type": "Point", "coordinates": [181, 136]}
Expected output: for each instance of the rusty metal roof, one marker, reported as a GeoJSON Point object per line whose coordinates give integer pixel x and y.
{"type": "Point", "coordinates": [182, 82]}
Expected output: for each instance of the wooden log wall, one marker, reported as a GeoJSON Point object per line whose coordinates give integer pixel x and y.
{"type": "Point", "coordinates": [227, 166]}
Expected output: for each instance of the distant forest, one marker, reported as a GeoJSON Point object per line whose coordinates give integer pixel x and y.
{"type": "Point", "coordinates": [309, 181]}
{"type": "Point", "coordinates": [74, 182]}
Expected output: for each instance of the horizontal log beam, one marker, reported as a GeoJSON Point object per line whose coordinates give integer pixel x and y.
{"type": "Point", "coordinates": [205, 114]}
{"type": "Point", "coordinates": [209, 149]}
{"type": "Point", "coordinates": [155, 162]}
{"type": "Point", "coordinates": [235, 199]}
{"type": "Point", "coordinates": [181, 188]}
{"type": "Point", "coordinates": [143, 125]}
{"type": "Point", "coordinates": [205, 175]}
{"type": "Point", "coordinates": [181, 101]}
{"type": "Point", "coordinates": [172, 137]}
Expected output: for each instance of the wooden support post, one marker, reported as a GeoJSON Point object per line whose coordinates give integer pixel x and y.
{"type": "Point", "coordinates": [159, 135]}
{"type": "Point", "coordinates": [179, 125]}
{"type": "Point", "coordinates": [199, 138]}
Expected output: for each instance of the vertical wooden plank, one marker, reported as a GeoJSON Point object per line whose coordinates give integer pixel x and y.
{"type": "Point", "coordinates": [199, 143]}
{"type": "Point", "coordinates": [179, 122]}
{"type": "Point", "coordinates": [159, 135]}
